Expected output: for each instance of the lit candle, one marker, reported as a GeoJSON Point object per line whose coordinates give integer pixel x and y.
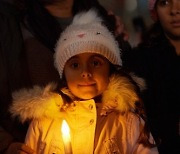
{"type": "Point", "coordinates": [66, 137]}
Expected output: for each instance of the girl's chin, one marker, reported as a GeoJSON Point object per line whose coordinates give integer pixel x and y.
{"type": "Point", "coordinates": [87, 96]}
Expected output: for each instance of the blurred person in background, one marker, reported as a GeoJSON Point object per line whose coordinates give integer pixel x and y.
{"type": "Point", "coordinates": [140, 29]}
{"type": "Point", "coordinates": [29, 30]}
{"type": "Point", "coordinates": [157, 60]}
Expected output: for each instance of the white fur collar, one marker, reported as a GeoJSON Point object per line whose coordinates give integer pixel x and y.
{"type": "Point", "coordinates": [43, 102]}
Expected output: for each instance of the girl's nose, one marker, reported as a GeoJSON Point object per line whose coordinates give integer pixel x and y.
{"type": "Point", "coordinates": [86, 75]}
{"type": "Point", "coordinates": [175, 8]}
{"type": "Point", "coordinates": [86, 72]}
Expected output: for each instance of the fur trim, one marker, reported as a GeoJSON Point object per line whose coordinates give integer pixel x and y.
{"type": "Point", "coordinates": [42, 102]}
{"type": "Point", "coordinates": [36, 103]}
{"type": "Point", "coordinates": [120, 95]}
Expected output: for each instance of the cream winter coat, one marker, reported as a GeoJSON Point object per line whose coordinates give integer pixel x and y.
{"type": "Point", "coordinates": [100, 128]}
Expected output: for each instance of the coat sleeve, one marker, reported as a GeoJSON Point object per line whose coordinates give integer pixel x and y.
{"type": "Point", "coordinates": [135, 127]}
{"type": "Point", "coordinates": [32, 136]}
{"type": "Point", "coordinates": [145, 150]}
{"type": "Point", "coordinates": [41, 134]}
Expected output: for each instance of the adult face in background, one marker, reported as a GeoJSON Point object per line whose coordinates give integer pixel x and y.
{"type": "Point", "coordinates": [168, 13]}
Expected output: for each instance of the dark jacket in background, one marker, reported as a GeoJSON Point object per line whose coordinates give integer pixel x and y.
{"type": "Point", "coordinates": [159, 65]}
{"type": "Point", "coordinates": [24, 62]}
{"type": "Point", "coordinates": [13, 75]}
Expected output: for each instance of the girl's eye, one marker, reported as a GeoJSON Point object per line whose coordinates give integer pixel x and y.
{"type": "Point", "coordinates": [74, 65]}
{"type": "Point", "coordinates": [163, 2]}
{"type": "Point", "coordinates": [96, 63]}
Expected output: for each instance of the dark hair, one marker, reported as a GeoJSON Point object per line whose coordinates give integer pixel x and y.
{"type": "Point", "coordinates": [153, 36]}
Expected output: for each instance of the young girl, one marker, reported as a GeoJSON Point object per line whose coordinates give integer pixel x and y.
{"type": "Point", "coordinates": [97, 99]}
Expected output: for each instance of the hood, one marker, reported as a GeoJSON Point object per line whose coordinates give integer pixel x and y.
{"type": "Point", "coordinates": [41, 102]}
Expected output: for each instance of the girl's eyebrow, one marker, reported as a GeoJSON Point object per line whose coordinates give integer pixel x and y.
{"type": "Point", "coordinates": [98, 56]}
{"type": "Point", "coordinates": [74, 57]}
{"type": "Point", "coordinates": [93, 56]}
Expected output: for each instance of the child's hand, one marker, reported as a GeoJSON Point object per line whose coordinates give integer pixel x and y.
{"type": "Point", "coordinates": [19, 148]}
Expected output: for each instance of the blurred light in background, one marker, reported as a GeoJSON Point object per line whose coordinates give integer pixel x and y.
{"type": "Point", "coordinates": [130, 5]}
{"type": "Point", "coordinates": [129, 11]}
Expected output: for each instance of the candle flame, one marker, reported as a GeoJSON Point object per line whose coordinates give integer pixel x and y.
{"type": "Point", "coordinates": [66, 137]}
{"type": "Point", "coordinates": [65, 128]}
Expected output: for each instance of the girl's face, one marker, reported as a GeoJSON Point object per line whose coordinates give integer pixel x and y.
{"type": "Point", "coordinates": [87, 75]}
{"type": "Point", "coordinates": [169, 16]}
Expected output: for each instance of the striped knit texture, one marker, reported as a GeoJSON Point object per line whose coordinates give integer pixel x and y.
{"type": "Point", "coordinates": [86, 35]}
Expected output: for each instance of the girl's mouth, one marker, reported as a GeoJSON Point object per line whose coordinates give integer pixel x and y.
{"type": "Point", "coordinates": [87, 84]}
{"type": "Point", "coordinates": [175, 23]}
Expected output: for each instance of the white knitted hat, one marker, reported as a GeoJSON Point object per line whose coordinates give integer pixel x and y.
{"type": "Point", "coordinates": [86, 34]}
